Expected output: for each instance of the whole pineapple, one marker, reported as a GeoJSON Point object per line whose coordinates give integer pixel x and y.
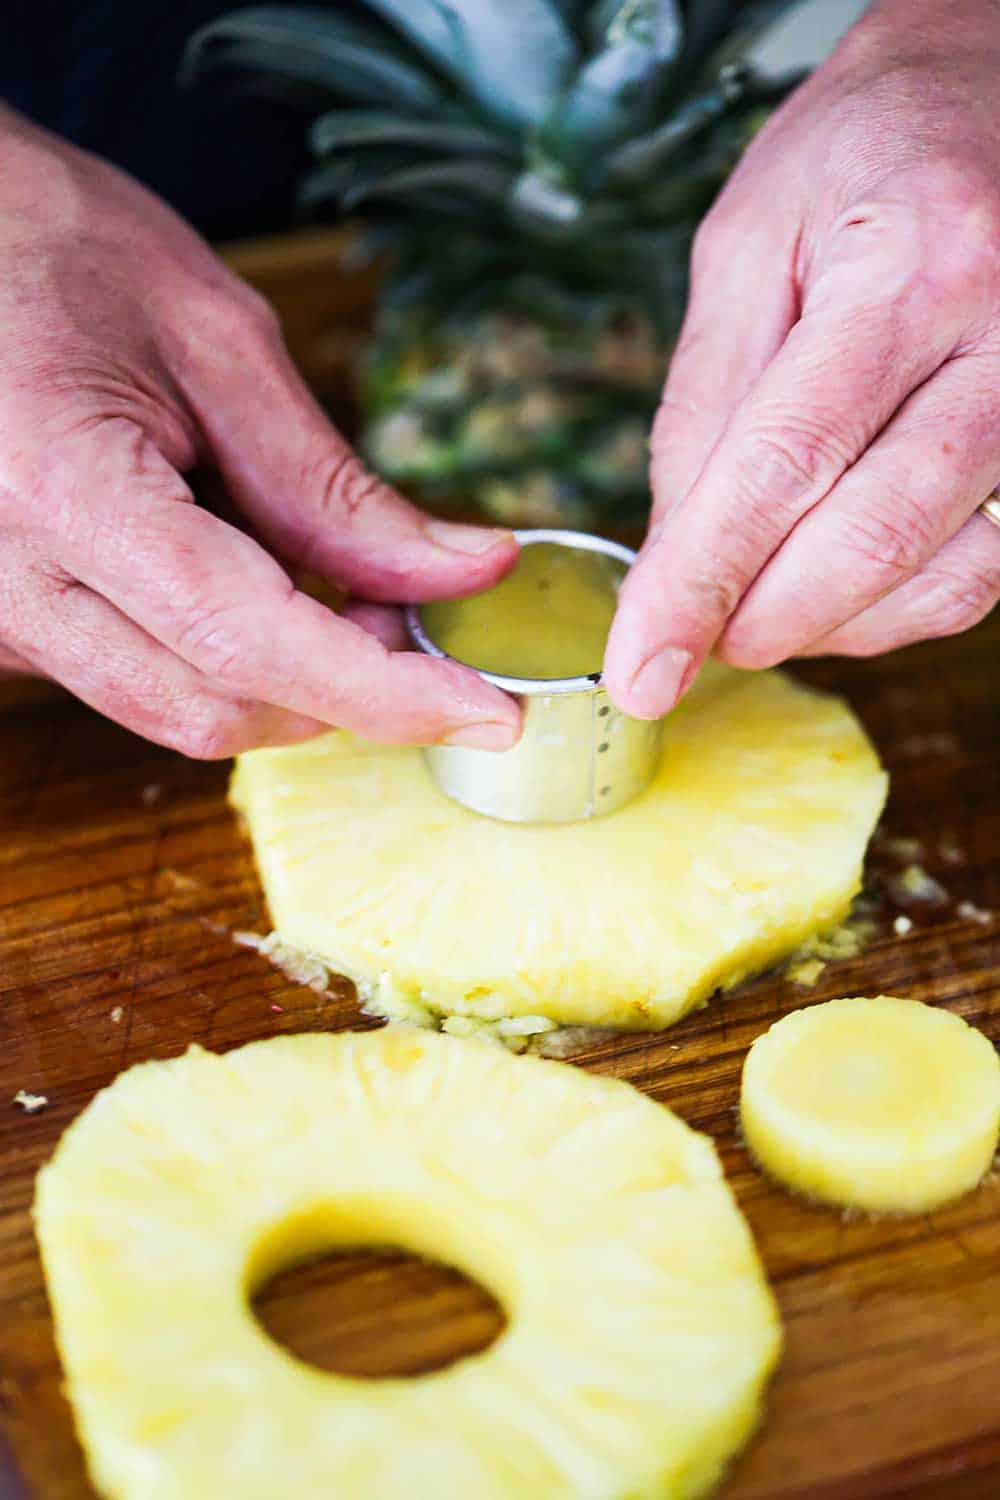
{"type": "Point", "coordinates": [537, 169]}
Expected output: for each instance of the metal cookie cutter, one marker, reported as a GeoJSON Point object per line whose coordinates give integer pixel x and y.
{"type": "Point", "coordinates": [578, 756]}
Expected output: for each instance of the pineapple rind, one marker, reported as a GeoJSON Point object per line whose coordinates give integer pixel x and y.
{"type": "Point", "coordinates": [882, 1104]}
{"type": "Point", "coordinates": [749, 841]}
{"type": "Point", "coordinates": [641, 1330]}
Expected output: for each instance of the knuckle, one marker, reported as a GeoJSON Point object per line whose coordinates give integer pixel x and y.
{"type": "Point", "coordinates": [961, 205]}
{"type": "Point", "coordinates": [339, 489]}
{"type": "Point", "coordinates": [209, 732]}
{"type": "Point", "coordinates": [721, 594]}
{"type": "Point", "coordinates": [745, 653]}
{"type": "Point", "coordinates": [733, 232]}
{"type": "Point", "coordinates": [746, 648]}
{"type": "Point", "coordinates": [862, 640]}
{"type": "Point", "coordinates": [790, 458]}
{"type": "Point", "coordinates": [957, 184]}
{"type": "Point", "coordinates": [672, 415]}
{"type": "Point", "coordinates": [341, 483]}
{"type": "Point", "coordinates": [893, 543]}
{"type": "Point", "coordinates": [931, 233]}
{"type": "Point", "coordinates": [716, 595]}
{"type": "Point", "coordinates": [713, 240]}
{"type": "Point", "coordinates": [959, 601]}
{"type": "Point", "coordinates": [29, 161]}
{"type": "Point", "coordinates": [225, 317]}
{"type": "Point", "coordinates": [212, 639]}
{"type": "Point", "coordinates": [245, 319]}
{"type": "Point", "coordinates": [969, 218]}
{"type": "Point", "coordinates": [260, 315]}
{"type": "Point", "coordinates": [863, 647]}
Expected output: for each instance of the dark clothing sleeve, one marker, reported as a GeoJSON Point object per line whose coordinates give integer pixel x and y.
{"type": "Point", "coordinates": [102, 73]}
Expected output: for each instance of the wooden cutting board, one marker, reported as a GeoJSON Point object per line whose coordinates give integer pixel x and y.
{"type": "Point", "coordinates": [122, 875]}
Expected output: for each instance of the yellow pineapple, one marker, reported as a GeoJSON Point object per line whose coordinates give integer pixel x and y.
{"type": "Point", "coordinates": [883, 1104]}
{"type": "Point", "coordinates": [750, 840]}
{"type": "Point", "coordinates": [640, 1329]}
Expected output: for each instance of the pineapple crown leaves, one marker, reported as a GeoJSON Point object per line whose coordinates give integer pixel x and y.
{"type": "Point", "coordinates": [554, 119]}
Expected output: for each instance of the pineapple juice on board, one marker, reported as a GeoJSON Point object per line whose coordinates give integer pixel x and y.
{"type": "Point", "coordinates": [549, 618]}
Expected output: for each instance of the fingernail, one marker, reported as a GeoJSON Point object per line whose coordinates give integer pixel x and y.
{"type": "Point", "coordinates": [490, 734]}
{"type": "Point", "coordinates": [658, 683]}
{"type": "Point", "coordinates": [473, 540]}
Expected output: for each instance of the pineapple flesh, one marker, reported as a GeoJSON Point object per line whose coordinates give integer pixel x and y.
{"type": "Point", "coordinates": [749, 840]}
{"type": "Point", "coordinates": [550, 617]}
{"type": "Point", "coordinates": [640, 1330]}
{"type": "Point", "coordinates": [881, 1104]}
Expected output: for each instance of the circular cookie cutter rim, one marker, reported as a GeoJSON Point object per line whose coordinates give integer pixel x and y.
{"type": "Point", "coordinates": [576, 541]}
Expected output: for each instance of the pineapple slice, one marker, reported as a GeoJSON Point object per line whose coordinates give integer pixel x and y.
{"type": "Point", "coordinates": [885, 1104]}
{"type": "Point", "coordinates": [640, 1328]}
{"type": "Point", "coordinates": [749, 840]}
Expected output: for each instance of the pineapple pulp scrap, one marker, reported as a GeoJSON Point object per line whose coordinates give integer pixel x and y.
{"type": "Point", "coordinates": [882, 1104]}
{"type": "Point", "coordinates": [30, 1103]}
{"type": "Point", "coordinates": [805, 971]}
{"type": "Point", "coordinates": [749, 841]}
{"type": "Point", "coordinates": [640, 1328]}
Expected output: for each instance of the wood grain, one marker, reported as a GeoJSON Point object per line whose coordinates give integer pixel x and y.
{"type": "Point", "coordinates": [122, 873]}
{"type": "Point", "coordinates": [428, 1315]}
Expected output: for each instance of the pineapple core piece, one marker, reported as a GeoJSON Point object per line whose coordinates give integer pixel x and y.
{"type": "Point", "coordinates": [884, 1104]}
{"type": "Point", "coordinates": [550, 617]}
{"type": "Point", "coordinates": [749, 840]}
{"type": "Point", "coordinates": [640, 1327]}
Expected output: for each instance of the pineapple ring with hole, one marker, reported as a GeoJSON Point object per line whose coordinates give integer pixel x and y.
{"type": "Point", "coordinates": [640, 1328]}
{"type": "Point", "coordinates": [749, 840]}
{"type": "Point", "coordinates": [883, 1104]}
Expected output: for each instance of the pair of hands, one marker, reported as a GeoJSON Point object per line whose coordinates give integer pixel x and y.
{"type": "Point", "coordinates": [828, 430]}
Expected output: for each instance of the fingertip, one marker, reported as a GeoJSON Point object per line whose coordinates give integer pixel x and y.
{"type": "Point", "coordinates": [410, 562]}
{"type": "Point", "coordinates": [471, 541]}
{"type": "Point", "coordinates": [488, 734]}
{"type": "Point", "coordinates": [462, 560]}
{"type": "Point", "coordinates": [654, 686]}
{"type": "Point", "coordinates": [431, 701]}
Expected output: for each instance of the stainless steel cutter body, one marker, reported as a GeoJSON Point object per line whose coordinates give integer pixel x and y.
{"type": "Point", "coordinates": [578, 756]}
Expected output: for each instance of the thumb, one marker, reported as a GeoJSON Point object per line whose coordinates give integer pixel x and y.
{"type": "Point", "coordinates": [293, 475]}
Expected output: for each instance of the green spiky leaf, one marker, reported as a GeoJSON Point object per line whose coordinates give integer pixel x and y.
{"type": "Point", "coordinates": [475, 185]}
{"type": "Point", "coordinates": [337, 183]}
{"type": "Point", "coordinates": [470, 41]}
{"type": "Point", "coordinates": [638, 161]}
{"type": "Point", "coordinates": [331, 52]}
{"type": "Point", "coordinates": [344, 130]}
{"type": "Point", "coordinates": [616, 93]}
{"type": "Point", "coordinates": [423, 23]}
{"type": "Point", "coordinates": [513, 57]}
{"type": "Point", "coordinates": [543, 208]}
{"type": "Point", "coordinates": [707, 22]}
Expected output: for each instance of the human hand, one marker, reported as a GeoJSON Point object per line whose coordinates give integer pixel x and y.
{"type": "Point", "coordinates": [831, 418]}
{"type": "Point", "coordinates": [129, 355]}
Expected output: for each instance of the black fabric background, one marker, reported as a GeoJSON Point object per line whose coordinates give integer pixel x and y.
{"type": "Point", "coordinates": [102, 73]}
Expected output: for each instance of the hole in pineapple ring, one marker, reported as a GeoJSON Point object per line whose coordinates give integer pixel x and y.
{"type": "Point", "coordinates": [377, 1314]}
{"type": "Point", "coordinates": [365, 1312]}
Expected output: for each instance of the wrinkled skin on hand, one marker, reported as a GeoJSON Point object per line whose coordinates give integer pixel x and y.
{"type": "Point", "coordinates": [129, 356]}
{"type": "Point", "coordinates": [831, 418]}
